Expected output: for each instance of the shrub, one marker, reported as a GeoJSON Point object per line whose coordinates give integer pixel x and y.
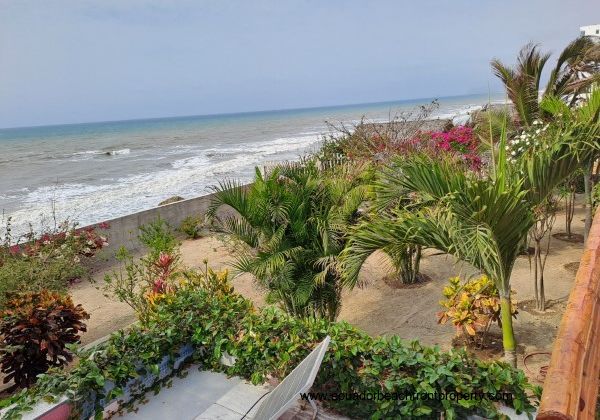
{"type": "Point", "coordinates": [458, 142]}
{"type": "Point", "coordinates": [138, 283]}
{"type": "Point", "coordinates": [291, 225]}
{"type": "Point", "coordinates": [35, 334]}
{"type": "Point", "coordinates": [472, 306]}
{"type": "Point", "coordinates": [142, 284]}
{"type": "Point", "coordinates": [191, 227]}
{"type": "Point", "coordinates": [32, 274]}
{"type": "Point", "coordinates": [47, 261]}
{"type": "Point", "coordinates": [270, 343]}
{"type": "Point", "coordinates": [158, 237]}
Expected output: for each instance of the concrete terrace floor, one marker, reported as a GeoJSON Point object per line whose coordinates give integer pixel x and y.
{"type": "Point", "coordinates": [206, 395]}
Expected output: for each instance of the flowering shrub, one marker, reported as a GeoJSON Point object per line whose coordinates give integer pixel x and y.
{"type": "Point", "coordinates": [528, 139]}
{"type": "Point", "coordinates": [472, 306]}
{"type": "Point", "coordinates": [67, 240]}
{"type": "Point", "coordinates": [458, 141]}
{"type": "Point", "coordinates": [143, 284]}
{"type": "Point", "coordinates": [35, 333]}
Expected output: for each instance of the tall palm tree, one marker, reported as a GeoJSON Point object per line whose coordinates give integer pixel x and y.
{"type": "Point", "coordinates": [481, 220]}
{"type": "Point", "coordinates": [571, 76]}
{"type": "Point", "coordinates": [292, 224]}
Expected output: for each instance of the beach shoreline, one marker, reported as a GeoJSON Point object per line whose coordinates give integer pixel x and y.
{"type": "Point", "coordinates": [102, 171]}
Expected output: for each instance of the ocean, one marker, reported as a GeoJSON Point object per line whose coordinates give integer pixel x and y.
{"type": "Point", "coordinates": [97, 171]}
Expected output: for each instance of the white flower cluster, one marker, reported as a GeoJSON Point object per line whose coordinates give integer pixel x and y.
{"type": "Point", "coordinates": [528, 139]}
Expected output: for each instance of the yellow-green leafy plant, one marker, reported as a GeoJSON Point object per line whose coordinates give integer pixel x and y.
{"type": "Point", "coordinates": [191, 226]}
{"type": "Point", "coordinates": [215, 282]}
{"type": "Point", "coordinates": [472, 306]}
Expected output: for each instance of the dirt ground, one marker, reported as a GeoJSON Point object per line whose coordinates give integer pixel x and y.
{"type": "Point", "coordinates": [380, 309]}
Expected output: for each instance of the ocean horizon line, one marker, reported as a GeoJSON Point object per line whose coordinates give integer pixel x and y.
{"type": "Point", "coordinates": [249, 113]}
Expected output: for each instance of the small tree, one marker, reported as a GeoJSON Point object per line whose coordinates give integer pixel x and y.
{"type": "Point", "coordinates": [567, 191]}
{"type": "Point", "coordinates": [545, 215]}
{"type": "Point", "coordinates": [480, 221]}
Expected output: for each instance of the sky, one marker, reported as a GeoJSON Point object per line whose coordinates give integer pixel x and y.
{"type": "Point", "coordinates": [81, 61]}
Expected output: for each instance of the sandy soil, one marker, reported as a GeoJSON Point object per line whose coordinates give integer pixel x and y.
{"type": "Point", "coordinates": [378, 308]}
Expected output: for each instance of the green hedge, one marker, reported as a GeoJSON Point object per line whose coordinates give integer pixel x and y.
{"type": "Point", "coordinates": [270, 342]}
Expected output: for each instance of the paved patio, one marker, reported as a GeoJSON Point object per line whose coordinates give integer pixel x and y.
{"type": "Point", "coordinates": [201, 395]}
{"type": "Point", "coordinates": [206, 395]}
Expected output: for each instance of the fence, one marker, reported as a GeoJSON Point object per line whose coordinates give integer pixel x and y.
{"type": "Point", "coordinates": [571, 385]}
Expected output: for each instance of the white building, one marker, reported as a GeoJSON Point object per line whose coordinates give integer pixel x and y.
{"type": "Point", "coordinates": [590, 30]}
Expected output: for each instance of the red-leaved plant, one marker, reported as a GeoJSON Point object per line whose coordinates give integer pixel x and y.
{"type": "Point", "coordinates": [35, 332]}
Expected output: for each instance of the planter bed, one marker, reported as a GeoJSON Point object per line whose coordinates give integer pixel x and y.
{"type": "Point", "coordinates": [134, 387]}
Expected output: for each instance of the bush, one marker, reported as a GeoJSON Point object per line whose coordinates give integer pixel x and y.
{"type": "Point", "coordinates": [32, 274]}
{"type": "Point", "coordinates": [138, 283]}
{"type": "Point", "coordinates": [158, 237]}
{"type": "Point", "coordinates": [271, 343]}
{"type": "Point", "coordinates": [191, 226]}
{"type": "Point", "coordinates": [291, 226]}
{"type": "Point", "coordinates": [49, 261]}
{"type": "Point", "coordinates": [472, 306]}
{"type": "Point", "coordinates": [35, 334]}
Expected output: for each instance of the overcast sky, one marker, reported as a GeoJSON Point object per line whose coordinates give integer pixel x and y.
{"type": "Point", "coordinates": [78, 61]}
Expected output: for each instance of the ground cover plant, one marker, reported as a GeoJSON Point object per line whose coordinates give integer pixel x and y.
{"type": "Point", "coordinates": [270, 343]}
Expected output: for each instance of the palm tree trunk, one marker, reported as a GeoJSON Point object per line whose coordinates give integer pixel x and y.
{"type": "Point", "coordinates": [535, 272]}
{"type": "Point", "coordinates": [508, 335]}
{"type": "Point", "coordinates": [569, 209]}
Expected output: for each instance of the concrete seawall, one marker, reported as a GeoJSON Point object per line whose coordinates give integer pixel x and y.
{"type": "Point", "coordinates": [123, 231]}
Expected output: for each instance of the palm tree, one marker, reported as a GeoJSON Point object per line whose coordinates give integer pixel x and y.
{"type": "Point", "coordinates": [292, 223]}
{"type": "Point", "coordinates": [572, 75]}
{"type": "Point", "coordinates": [481, 220]}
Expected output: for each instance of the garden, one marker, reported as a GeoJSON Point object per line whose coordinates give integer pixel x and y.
{"type": "Point", "coordinates": [461, 217]}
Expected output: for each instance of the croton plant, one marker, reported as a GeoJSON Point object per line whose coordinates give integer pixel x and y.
{"type": "Point", "coordinates": [35, 332]}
